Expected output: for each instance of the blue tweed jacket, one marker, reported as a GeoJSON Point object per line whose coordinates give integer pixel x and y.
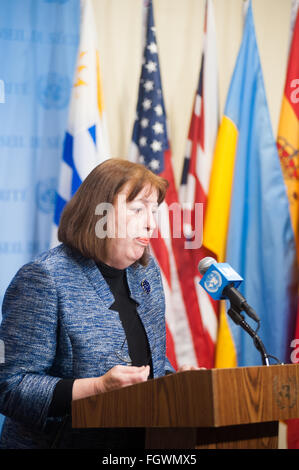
{"type": "Point", "coordinates": [57, 324]}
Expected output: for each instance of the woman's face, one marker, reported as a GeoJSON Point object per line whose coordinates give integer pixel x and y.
{"type": "Point", "coordinates": [134, 222]}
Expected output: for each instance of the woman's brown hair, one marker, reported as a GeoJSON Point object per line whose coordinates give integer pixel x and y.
{"type": "Point", "coordinates": [78, 219]}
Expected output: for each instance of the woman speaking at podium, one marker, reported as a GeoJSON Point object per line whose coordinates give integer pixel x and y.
{"type": "Point", "coordinates": [87, 316]}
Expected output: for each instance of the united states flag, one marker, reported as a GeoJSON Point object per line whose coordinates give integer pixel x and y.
{"type": "Point", "coordinates": [150, 146]}
{"type": "Point", "coordinates": [196, 176]}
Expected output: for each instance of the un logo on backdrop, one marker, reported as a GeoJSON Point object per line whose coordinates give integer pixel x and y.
{"type": "Point", "coordinates": [53, 90]}
{"type": "Point", "coordinates": [45, 195]}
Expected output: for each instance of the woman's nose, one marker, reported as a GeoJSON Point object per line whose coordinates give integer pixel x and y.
{"type": "Point", "coordinates": [151, 221]}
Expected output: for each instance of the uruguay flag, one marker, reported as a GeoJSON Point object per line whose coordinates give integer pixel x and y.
{"type": "Point", "coordinates": [255, 234]}
{"type": "Point", "coordinates": [86, 139]}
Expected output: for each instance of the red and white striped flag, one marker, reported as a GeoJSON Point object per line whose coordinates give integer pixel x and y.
{"type": "Point", "coordinates": [150, 146]}
{"type": "Point", "coordinates": [195, 183]}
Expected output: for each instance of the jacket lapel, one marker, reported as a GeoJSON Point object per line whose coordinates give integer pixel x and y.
{"type": "Point", "coordinates": [134, 284]}
{"type": "Point", "coordinates": [135, 278]}
{"type": "Point", "coordinates": [95, 277]}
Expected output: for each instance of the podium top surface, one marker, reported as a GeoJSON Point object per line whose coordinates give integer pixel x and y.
{"type": "Point", "coordinates": [203, 398]}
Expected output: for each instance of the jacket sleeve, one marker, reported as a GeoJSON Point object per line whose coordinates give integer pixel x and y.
{"type": "Point", "coordinates": [28, 332]}
{"type": "Point", "coordinates": [168, 367]}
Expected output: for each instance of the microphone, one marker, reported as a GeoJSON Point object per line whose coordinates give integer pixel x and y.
{"type": "Point", "coordinates": [221, 281]}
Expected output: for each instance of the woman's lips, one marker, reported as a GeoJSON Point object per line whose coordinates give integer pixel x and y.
{"type": "Point", "coordinates": [144, 241]}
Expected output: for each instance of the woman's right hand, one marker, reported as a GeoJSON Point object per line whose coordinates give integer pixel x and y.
{"type": "Point", "coordinates": [121, 376]}
{"type": "Point", "coordinates": [117, 377]}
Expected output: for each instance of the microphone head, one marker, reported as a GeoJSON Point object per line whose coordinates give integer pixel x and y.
{"type": "Point", "coordinates": [205, 264]}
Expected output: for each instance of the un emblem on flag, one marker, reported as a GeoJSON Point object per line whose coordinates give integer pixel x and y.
{"type": "Point", "coordinates": [45, 195]}
{"type": "Point", "coordinates": [53, 91]}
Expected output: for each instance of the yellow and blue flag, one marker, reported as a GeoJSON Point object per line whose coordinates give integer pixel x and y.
{"type": "Point", "coordinates": [248, 220]}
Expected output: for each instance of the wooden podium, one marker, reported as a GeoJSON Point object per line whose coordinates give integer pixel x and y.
{"type": "Point", "coordinates": [215, 408]}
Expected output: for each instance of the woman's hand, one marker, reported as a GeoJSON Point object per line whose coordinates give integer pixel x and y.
{"type": "Point", "coordinates": [117, 377]}
{"type": "Point", "coordinates": [121, 376]}
{"type": "Point", "coordinates": [187, 367]}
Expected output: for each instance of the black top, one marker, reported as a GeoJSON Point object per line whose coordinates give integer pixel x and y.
{"type": "Point", "coordinates": [135, 334]}
{"type": "Point", "coordinates": [126, 307]}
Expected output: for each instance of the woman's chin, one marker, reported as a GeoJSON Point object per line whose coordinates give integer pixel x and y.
{"type": "Point", "coordinates": [138, 251]}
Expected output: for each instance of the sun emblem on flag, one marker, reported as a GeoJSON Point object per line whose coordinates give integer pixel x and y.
{"type": "Point", "coordinates": [80, 81]}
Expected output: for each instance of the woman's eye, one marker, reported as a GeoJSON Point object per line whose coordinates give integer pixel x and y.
{"type": "Point", "coordinates": [137, 210]}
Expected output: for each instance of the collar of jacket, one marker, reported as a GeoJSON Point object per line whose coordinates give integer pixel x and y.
{"type": "Point", "coordinates": [134, 278]}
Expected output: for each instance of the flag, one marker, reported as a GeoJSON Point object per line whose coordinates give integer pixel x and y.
{"type": "Point", "coordinates": [288, 148]}
{"type": "Point", "coordinates": [288, 132]}
{"type": "Point", "coordinates": [294, 10]}
{"type": "Point", "coordinates": [196, 177]}
{"type": "Point", "coordinates": [255, 234]}
{"type": "Point", "coordinates": [86, 139]}
{"type": "Point", "coordinates": [150, 146]}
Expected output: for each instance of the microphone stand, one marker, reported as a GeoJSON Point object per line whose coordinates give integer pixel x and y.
{"type": "Point", "coordinates": [235, 313]}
